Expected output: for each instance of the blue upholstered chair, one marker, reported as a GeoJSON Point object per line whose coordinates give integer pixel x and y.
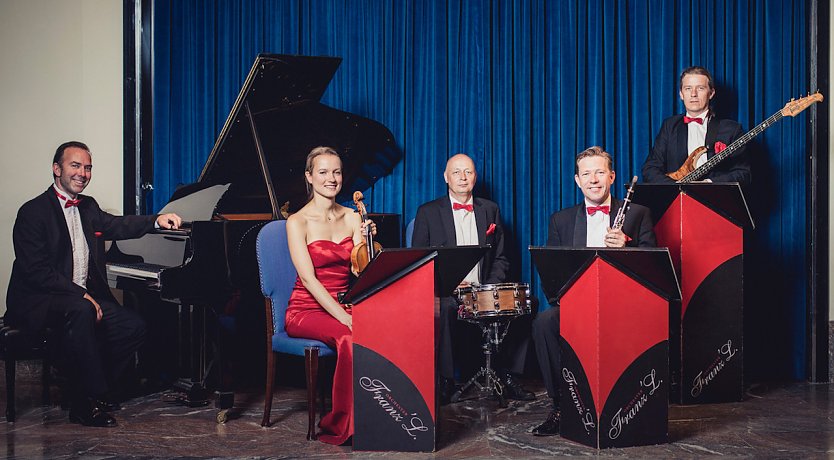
{"type": "Point", "coordinates": [278, 275]}
{"type": "Point", "coordinates": [409, 232]}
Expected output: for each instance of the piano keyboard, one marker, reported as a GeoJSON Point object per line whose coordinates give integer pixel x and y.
{"type": "Point", "coordinates": [143, 271]}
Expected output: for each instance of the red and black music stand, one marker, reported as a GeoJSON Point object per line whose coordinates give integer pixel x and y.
{"type": "Point", "coordinates": [614, 341]}
{"type": "Point", "coordinates": [703, 224]}
{"type": "Point", "coordinates": [394, 402]}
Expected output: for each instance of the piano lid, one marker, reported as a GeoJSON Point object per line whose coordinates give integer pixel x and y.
{"type": "Point", "coordinates": [275, 122]}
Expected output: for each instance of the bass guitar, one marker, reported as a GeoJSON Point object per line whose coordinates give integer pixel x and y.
{"type": "Point", "coordinates": [688, 172]}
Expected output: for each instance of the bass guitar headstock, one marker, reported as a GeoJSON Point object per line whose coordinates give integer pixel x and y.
{"type": "Point", "coordinates": [795, 106]}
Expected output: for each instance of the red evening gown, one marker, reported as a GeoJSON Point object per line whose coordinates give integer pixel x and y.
{"type": "Point", "coordinates": [306, 318]}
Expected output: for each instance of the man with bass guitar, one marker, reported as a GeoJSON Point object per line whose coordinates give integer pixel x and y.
{"type": "Point", "coordinates": [682, 134]}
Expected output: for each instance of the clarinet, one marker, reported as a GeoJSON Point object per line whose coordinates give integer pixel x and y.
{"type": "Point", "coordinates": [619, 220]}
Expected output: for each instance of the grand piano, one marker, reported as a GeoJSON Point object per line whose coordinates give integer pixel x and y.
{"type": "Point", "coordinates": [253, 174]}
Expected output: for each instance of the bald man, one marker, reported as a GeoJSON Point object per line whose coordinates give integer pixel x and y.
{"type": "Point", "coordinates": [460, 219]}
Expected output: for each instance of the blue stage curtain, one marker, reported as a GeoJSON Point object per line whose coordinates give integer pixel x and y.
{"type": "Point", "coordinates": [521, 86]}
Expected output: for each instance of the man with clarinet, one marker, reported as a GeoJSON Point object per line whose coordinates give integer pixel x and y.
{"type": "Point", "coordinates": [599, 221]}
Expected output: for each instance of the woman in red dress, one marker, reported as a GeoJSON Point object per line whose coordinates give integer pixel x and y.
{"type": "Point", "coordinates": [321, 236]}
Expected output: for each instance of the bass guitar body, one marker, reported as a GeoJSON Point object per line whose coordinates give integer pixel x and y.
{"type": "Point", "coordinates": [688, 165]}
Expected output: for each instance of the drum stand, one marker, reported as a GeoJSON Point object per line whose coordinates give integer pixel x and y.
{"type": "Point", "coordinates": [493, 331]}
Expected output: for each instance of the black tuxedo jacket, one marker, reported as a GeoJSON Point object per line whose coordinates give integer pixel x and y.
{"type": "Point", "coordinates": [43, 255]}
{"type": "Point", "coordinates": [434, 226]}
{"type": "Point", "coordinates": [569, 227]}
{"type": "Point", "coordinates": [670, 151]}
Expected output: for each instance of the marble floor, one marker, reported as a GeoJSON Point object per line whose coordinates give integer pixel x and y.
{"type": "Point", "coordinates": [791, 420]}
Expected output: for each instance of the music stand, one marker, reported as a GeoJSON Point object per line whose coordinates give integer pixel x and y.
{"type": "Point", "coordinates": [614, 341]}
{"type": "Point", "coordinates": [703, 226]}
{"type": "Point", "coordinates": [395, 406]}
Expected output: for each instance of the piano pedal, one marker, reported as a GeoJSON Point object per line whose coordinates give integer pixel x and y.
{"type": "Point", "coordinates": [187, 393]}
{"type": "Point", "coordinates": [224, 399]}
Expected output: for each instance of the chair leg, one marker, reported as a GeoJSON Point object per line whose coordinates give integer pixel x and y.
{"type": "Point", "coordinates": [10, 370]}
{"type": "Point", "coordinates": [270, 386]}
{"type": "Point", "coordinates": [311, 365]}
{"type": "Point", "coordinates": [323, 387]}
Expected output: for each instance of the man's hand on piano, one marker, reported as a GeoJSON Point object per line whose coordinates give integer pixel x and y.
{"type": "Point", "coordinates": [169, 221]}
{"type": "Point", "coordinates": [96, 305]}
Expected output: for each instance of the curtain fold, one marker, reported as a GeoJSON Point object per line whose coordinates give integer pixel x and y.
{"type": "Point", "coordinates": [521, 86]}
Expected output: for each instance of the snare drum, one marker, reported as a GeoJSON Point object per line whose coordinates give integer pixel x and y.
{"type": "Point", "coordinates": [492, 300]}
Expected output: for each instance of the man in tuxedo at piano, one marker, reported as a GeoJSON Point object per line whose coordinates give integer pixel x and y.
{"type": "Point", "coordinates": [681, 134]}
{"type": "Point", "coordinates": [457, 219]}
{"type": "Point", "coordinates": [58, 282]}
{"type": "Point", "coordinates": [587, 224]}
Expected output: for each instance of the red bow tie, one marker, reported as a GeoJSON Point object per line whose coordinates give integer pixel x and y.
{"type": "Point", "coordinates": [468, 207]}
{"type": "Point", "coordinates": [69, 203]}
{"type": "Point", "coordinates": [593, 209]}
{"type": "Point", "coordinates": [688, 120]}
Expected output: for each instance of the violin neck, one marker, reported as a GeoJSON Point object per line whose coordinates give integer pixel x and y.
{"type": "Point", "coordinates": [369, 239]}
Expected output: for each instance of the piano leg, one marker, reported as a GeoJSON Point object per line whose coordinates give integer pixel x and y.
{"type": "Point", "coordinates": [224, 398]}
{"type": "Point", "coordinates": [192, 367]}
{"type": "Point", "coordinates": [206, 357]}
{"type": "Point", "coordinates": [192, 389]}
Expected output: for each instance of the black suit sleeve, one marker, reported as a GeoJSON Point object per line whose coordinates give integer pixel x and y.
{"type": "Point", "coordinates": [735, 168]}
{"type": "Point", "coordinates": [420, 233]}
{"type": "Point", "coordinates": [553, 236]}
{"type": "Point", "coordinates": [643, 233]}
{"type": "Point", "coordinates": [657, 163]}
{"type": "Point", "coordinates": [30, 237]}
{"type": "Point", "coordinates": [119, 227]}
{"type": "Point", "coordinates": [500, 264]}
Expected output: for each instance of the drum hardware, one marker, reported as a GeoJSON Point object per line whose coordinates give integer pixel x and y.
{"type": "Point", "coordinates": [493, 334]}
{"type": "Point", "coordinates": [492, 307]}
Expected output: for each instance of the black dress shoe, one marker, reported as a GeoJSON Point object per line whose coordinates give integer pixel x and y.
{"type": "Point", "coordinates": [514, 390]}
{"type": "Point", "coordinates": [550, 427]}
{"type": "Point", "coordinates": [107, 405]}
{"type": "Point", "coordinates": [89, 414]}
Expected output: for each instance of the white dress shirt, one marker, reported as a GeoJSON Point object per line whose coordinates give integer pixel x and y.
{"type": "Point", "coordinates": [80, 250]}
{"type": "Point", "coordinates": [466, 234]}
{"type": "Point", "coordinates": [697, 135]}
{"type": "Point", "coordinates": [597, 225]}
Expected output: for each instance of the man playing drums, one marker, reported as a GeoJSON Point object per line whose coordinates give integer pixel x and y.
{"type": "Point", "coordinates": [458, 219]}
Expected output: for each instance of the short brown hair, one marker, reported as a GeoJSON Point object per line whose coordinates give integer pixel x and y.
{"type": "Point", "coordinates": [594, 151]}
{"type": "Point", "coordinates": [59, 152]}
{"type": "Point", "coordinates": [696, 70]}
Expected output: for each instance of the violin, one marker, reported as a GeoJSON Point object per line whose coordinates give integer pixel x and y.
{"type": "Point", "coordinates": [364, 252]}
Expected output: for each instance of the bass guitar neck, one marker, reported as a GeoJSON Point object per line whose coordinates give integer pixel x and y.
{"type": "Point", "coordinates": [689, 173]}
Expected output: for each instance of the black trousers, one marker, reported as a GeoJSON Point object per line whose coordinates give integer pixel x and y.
{"type": "Point", "coordinates": [93, 355]}
{"type": "Point", "coordinates": [512, 352]}
{"type": "Point", "coordinates": [546, 340]}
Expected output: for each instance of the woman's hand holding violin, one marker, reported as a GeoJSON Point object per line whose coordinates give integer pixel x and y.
{"type": "Point", "coordinates": [365, 225]}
